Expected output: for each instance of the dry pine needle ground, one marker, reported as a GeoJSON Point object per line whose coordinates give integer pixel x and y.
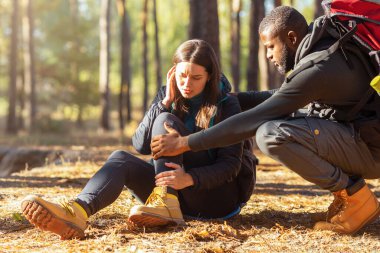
{"type": "Point", "coordinates": [276, 219]}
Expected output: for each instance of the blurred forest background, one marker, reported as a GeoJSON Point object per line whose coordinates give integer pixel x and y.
{"type": "Point", "coordinates": [89, 65]}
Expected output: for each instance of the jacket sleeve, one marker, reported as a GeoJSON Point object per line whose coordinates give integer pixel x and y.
{"type": "Point", "coordinates": [304, 88]}
{"type": "Point", "coordinates": [228, 159]}
{"type": "Point", "coordinates": [142, 137]}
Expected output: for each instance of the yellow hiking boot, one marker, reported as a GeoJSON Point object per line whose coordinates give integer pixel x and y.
{"type": "Point", "coordinates": [333, 209]}
{"type": "Point", "coordinates": [67, 219]}
{"type": "Point", "coordinates": [161, 208]}
{"type": "Point", "coordinates": [356, 211]}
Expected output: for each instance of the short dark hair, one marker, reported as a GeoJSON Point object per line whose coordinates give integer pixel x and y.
{"type": "Point", "coordinates": [284, 18]}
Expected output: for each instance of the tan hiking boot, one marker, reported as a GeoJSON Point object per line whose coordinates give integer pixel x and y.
{"type": "Point", "coordinates": [356, 211]}
{"type": "Point", "coordinates": [161, 208]}
{"type": "Point", "coordinates": [333, 209]}
{"type": "Point", "coordinates": [67, 219]}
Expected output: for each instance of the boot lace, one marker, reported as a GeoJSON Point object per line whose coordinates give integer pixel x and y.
{"type": "Point", "coordinates": [155, 199]}
{"type": "Point", "coordinates": [67, 205]}
{"type": "Point", "coordinates": [343, 203]}
{"type": "Point", "coordinates": [335, 207]}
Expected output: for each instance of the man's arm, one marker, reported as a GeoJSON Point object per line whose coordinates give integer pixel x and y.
{"type": "Point", "coordinates": [300, 91]}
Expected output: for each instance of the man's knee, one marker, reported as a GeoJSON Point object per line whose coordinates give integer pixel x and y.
{"type": "Point", "coordinates": [269, 137]}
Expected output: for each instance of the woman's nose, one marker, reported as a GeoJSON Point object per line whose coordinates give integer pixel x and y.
{"type": "Point", "coordinates": [186, 81]}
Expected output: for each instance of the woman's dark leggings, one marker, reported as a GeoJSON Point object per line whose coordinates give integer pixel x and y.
{"type": "Point", "coordinates": [124, 169]}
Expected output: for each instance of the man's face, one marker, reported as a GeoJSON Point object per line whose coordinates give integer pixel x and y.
{"type": "Point", "coordinates": [278, 51]}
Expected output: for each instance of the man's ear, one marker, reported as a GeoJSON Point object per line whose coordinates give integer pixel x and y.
{"type": "Point", "coordinates": [292, 39]}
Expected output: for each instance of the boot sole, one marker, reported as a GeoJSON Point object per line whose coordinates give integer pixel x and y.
{"type": "Point", "coordinates": [42, 218]}
{"type": "Point", "coordinates": [143, 219]}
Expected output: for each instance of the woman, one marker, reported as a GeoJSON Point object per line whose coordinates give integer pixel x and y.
{"type": "Point", "coordinates": [197, 184]}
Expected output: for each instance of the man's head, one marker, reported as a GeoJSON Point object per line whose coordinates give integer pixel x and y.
{"type": "Point", "coordinates": [281, 31]}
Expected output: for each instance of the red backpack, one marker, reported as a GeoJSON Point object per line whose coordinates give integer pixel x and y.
{"type": "Point", "coordinates": [362, 17]}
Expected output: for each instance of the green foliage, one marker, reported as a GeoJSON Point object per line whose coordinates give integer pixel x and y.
{"type": "Point", "coordinates": [67, 51]}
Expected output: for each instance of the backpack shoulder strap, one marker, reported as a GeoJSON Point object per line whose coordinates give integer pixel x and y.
{"type": "Point", "coordinates": [322, 54]}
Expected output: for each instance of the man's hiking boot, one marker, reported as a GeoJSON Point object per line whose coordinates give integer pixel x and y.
{"type": "Point", "coordinates": [67, 219]}
{"type": "Point", "coordinates": [355, 211]}
{"type": "Point", "coordinates": [161, 208]}
{"type": "Point", "coordinates": [333, 209]}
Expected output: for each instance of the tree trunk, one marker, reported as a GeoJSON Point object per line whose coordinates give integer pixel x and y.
{"type": "Point", "coordinates": [11, 127]}
{"type": "Point", "coordinates": [29, 66]}
{"type": "Point", "coordinates": [104, 54]}
{"type": "Point", "coordinates": [20, 114]}
{"type": "Point", "coordinates": [74, 65]}
{"type": "Point", "coordinates": [196, 19]}
{"type": "Point", "coordinates": [157, 47]}
{"type": "Point", "coordinates": [235, 42]}
{"type": "Point", "coordinates": [318, 10]}
{"type": "Point", "coordinates": [204, 23]}
{"type": "Point", "coordinates": [145, 54]}
{"type": "Point", "coordinates": [256, 15]}
{"type": "Point", "coordinates": [211, 33]}
{"type": "Point", "coordinates": [125, 71]}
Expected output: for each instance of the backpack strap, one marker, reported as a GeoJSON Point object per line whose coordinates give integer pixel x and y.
{"type": "Point", "coordinates": [323, 54]}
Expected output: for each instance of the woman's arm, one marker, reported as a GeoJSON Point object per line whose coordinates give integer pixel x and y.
{"type": "Point", "coordinates": [143, 134]}
{"type": "Point", "coordinates": [250, 99]}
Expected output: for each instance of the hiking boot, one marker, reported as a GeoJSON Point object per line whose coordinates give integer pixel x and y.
{"type": "Point", "coordinates": [333, 209]}
{"type": "Point", "coordinates": [161, 208]}
{"type": "Point", "coordinates": [356, 211]}
{"type": "Point", "coordinates": [67, 219]}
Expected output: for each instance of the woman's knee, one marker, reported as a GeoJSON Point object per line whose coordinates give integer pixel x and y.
{"type": "Point", "coordinates": [158, 125]}
{"type": "Point", "coordinates": [120, 155]}
{"type": "Point", "coordinates": [163, 117]}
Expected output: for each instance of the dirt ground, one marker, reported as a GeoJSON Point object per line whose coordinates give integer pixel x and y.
{"type": "Point", "coordinates": [278, 218]}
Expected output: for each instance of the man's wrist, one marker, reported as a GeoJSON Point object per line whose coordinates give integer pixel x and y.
{"type": "Point", "coordinates": [184, 141]}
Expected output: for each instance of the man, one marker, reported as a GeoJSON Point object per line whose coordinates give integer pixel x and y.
{"type": "Point", "coordinates": [321, 146]}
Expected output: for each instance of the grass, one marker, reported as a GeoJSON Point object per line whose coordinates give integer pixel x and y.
{"type": "Point", "coordinates": [278, 218]}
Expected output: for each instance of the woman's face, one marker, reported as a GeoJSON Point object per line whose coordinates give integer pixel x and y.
{"type": "Point", "coordinates": [191, 79]}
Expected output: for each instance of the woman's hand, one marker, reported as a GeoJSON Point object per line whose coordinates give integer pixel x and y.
{"type": "Point", "coordinates": [176, 179]}
{"type": "Point", "coordinates": [169, 93]}
{"type": "Point", "coordinates": [170, 144]}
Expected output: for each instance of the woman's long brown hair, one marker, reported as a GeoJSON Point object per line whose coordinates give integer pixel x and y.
{"type": "Point", "coordinates": [201, 53]}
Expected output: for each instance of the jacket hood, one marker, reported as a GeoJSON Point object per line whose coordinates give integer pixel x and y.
{"type": "Point", "coordinates": [224, 86]}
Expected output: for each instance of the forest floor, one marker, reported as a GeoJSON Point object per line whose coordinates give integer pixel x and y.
{"type": "Point", "coordinates": [278, 218]}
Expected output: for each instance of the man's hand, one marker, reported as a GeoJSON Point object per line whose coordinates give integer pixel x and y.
{"type": "Point", "coordinates": [170, 144]}
{"type": "Point", "coordinates": [176, 179]}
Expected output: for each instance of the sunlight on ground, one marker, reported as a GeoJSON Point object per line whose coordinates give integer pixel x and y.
{"type": "Point", "coordinates": [276, 219]}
